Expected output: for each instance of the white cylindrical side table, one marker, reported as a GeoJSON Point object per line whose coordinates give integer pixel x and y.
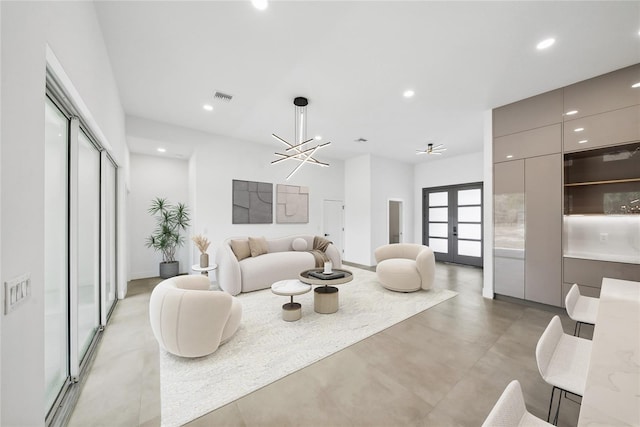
{"type": "Point", "coordinates": [291, 311]}
{"type": "Point", "coordinates": [204, 270]}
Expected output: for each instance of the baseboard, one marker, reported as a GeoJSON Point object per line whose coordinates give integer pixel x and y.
{"type": "Point", "coordinates": [364, 267]}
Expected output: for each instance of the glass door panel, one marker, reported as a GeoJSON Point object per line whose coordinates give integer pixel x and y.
{"type": "Point", "coordinates": [109, 210]}
{"type": "Point", "coordinates": [88, 232]}
{"type": "Point", "coordinates": [468, 233]}
{"type": "Point", "coordinates": [438, 218]}
{"type": "Point", "coordinates": [56, 325]}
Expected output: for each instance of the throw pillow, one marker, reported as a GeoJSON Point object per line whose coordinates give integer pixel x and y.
{"type": "Point", "coordinates": [241, 249]}
{"type": "Point", "coordinates": [258, 246]}
{"type": "Point", "coordinates": [299, 244]}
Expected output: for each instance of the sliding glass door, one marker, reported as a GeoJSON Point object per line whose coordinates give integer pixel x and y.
{"type": "Point", "coordinates": [56, 294]}
{"type": "Point", "coordinates": [87, 224]}
{"type": "Point", "coordinates": [109, 203]}
{"type": "Point", "coordinates": [80, 247]}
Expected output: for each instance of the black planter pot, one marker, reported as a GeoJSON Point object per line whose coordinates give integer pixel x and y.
{"type": "Point", "coordinates": [169, 269]}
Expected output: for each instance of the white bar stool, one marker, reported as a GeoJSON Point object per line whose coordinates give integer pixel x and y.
{"type": "Point", "coordinates": [510, 410]}
{"type": "Point", "coordinates": [563, 361]}
{"type": "Point", "coordinates": [581, 309]}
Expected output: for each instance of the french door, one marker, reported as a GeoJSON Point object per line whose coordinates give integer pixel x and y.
{"type": "Point", "coordinates": [452, 223]}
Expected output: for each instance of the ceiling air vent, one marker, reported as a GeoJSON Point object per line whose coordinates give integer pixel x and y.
{"type": "Point", "coordinates": [219, 96]}
{"type": "Point", "coordinates": [361, 140]}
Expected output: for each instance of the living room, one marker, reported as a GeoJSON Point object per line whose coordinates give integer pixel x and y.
{"type": "Point", "coordinates": [76, 41]}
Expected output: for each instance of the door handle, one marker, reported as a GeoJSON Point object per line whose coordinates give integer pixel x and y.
{"type": "Point", "coordinates": [455, 231]}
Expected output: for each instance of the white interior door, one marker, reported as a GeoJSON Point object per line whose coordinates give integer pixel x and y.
{"type": "Point", "coordinates": [333, 223]}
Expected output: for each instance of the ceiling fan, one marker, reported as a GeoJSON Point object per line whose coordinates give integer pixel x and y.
{"type": "Point", "coordinates": [431, 149]}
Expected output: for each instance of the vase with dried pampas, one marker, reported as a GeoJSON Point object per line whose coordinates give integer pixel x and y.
{"type": "Point", "coordinates": [202, 243]}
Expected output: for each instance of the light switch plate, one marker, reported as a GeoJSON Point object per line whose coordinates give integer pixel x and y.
{"type": "Point", "coordinates": [16, 291]}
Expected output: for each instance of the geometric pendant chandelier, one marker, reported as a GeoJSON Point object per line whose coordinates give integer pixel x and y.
{"type": "Point", "coordinates": [299, 151]}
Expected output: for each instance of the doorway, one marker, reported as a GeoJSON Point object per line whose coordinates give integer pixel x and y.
{"type": "Point", "coordinates": [395, 221]}
{"type": "Point", "coordinates": [333, 223]}
{"type": "Point", "coordinates": [452, 223]}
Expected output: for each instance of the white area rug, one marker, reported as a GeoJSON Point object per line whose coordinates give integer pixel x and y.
{"type": "Point", "coordinates": [266, 348]}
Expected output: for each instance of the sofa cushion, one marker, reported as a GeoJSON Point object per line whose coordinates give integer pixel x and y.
{"type": "Point", "coordinates": [299, 244]}
{"type": "Point", "coordinates": [241, 249]}
{"type": "Point", "coordinates": [258, 246]}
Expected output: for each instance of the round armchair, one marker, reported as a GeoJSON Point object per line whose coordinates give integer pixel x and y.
{"type": "Point", "coordinates": [188, 319]}
{"type": "Point", "coordinates": [405, 267]}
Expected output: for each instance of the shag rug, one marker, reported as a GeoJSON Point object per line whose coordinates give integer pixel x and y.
{"type": "Point", "coordinates": [265, 348]}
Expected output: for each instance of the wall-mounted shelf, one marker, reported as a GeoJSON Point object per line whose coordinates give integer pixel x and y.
{"type": "Point", "coordinates": [610, 181]}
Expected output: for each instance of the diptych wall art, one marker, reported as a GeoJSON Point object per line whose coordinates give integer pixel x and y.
{"type": "Point", "coordinates": [292, 204]}
{"type": "Point", "coordinates": [252, 202]}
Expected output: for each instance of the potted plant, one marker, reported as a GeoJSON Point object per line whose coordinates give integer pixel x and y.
{"type": "Point", "coordinates": [171, 220]}
{"type": "Point", "coordinates": [202, 243]}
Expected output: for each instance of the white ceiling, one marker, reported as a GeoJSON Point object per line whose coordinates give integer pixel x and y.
{"type": "Point", "coordinates": [353, 60]}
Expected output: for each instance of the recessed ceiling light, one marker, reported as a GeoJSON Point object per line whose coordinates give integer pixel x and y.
{"type": "Point", "coordinates": [545, 43]}
{"type": "Point", "coordinates": [635, 85]}
{"type": "Point", "coordinates": [162, 150]}
{"type": "Point", "coordinates": [260, 4]}
{"type": "Point", "coordinates": [571, 113]}
{"type": "Point", "coordinates": [583, 141]}
{"type": "Point", "coordinates": [510, 156]}
{"type": "Point", "coordinates": [317, 137]}
{"type": "Point", "coordinates": [408, 93]}
{"type": "Point", "coordinates": [578, 129]}
{"type": "Point", "coordinates": [208, 107]}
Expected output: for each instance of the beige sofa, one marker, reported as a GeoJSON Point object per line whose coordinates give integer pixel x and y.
{"type": "Point", "coordinates": [281, 262]}
{"type": "Point", "coordinates": [188, 319]}
{"type": "Point", "coordinates": [405, 267]}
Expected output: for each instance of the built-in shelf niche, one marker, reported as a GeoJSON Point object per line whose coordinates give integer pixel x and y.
{"type": "Point", "coordinates": [603, 181]}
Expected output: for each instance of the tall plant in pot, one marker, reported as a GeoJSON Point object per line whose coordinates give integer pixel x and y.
{"type": "Point", "coordinates": [171, 220]}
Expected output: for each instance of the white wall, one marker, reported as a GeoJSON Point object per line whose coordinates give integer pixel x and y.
{"type": "Point", "coordinates": [0, 204]}
{"type": "Point", "coordinates": [151, 177]}
{"type": "Point", "coordinates": [448, 171]}
{"type": "Point", "coordinates": [357, 215]}
{"type": "Point", "coordinates": [72, 32]}
{"type": "Point", "coordinates": [487, 189]}
{"type": "Point", "coordinates": [217, 160]}
{"type": "Point", "coordinates": [390, 180]}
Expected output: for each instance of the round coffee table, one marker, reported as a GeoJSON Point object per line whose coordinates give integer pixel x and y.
{"type": "Point", "coordinates": [325, 296]}
{"type": "Point", "coordinates": [291, 311]}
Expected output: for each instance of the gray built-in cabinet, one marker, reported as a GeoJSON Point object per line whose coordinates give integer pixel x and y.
{"type": "Point", "coordinates": [530, 139]}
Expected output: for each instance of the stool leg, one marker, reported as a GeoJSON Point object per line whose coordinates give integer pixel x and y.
{"type": "Point", "coordinates": [553, 391]}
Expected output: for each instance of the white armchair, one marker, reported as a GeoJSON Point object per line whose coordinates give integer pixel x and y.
{"type": "Point", "coordinates": [188, 319]}
{"type": "Point", "coordinates": [405, 267]}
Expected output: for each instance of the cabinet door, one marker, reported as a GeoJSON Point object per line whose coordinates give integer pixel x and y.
{"type": "Point", "coordinates": [543, 230]}
{"type": "Point", "coordinates": [612, 128]}
{"type": "Point", "coordinates": [530, 143]}
{"type": "Point", "coordinates": [538, 111]}
{"type": "Point", "coordinates": [604, 93]}
{"type": "Point", "coordinates": [509, 225]}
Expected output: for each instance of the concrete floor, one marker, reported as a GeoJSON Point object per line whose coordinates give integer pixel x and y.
{"type": "Point", "coordinates": [446, 366]}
